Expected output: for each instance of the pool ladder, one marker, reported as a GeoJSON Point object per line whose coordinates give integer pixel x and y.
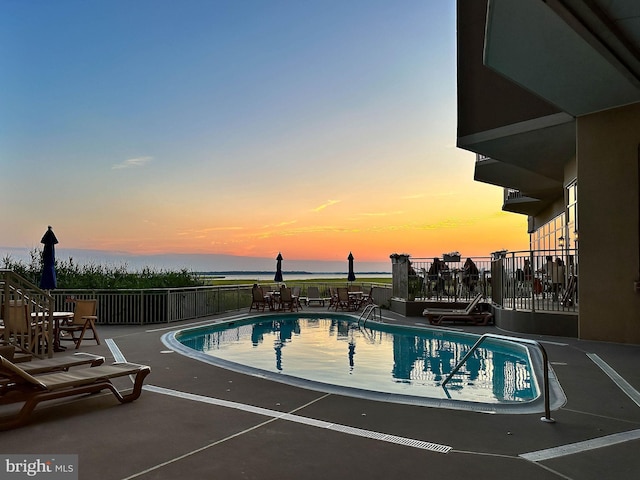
{"type": "Point", "coordinates": [368, 311]}
{"type": "Point", "coordinates": [545, 366]}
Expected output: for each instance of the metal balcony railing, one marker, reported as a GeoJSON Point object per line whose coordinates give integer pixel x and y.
{"type": "Point", "coordinates": [531, 280]}
{"type": "Point", "coordinates": [511, 194]}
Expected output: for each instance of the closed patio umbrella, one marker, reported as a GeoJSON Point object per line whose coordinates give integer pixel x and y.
{"type": "Point", "coordinates": [278, 277]}
{"type": "Point", "coordinates": [351, 277]}
{"type": "Point", "coordinates": [48, 278]}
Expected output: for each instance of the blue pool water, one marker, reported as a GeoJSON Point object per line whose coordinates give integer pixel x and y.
{"type": "Point", "coordinates": [329, 352]}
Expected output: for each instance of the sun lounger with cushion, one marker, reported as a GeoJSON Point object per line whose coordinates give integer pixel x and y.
{"type": "Point", "coordinates": [61, 363]}
{"type": "Point", "coordinates": [469, 314]}
{"type": "Point", "coordinates": [24, 387]}
{"type": "Point", "coordinates": [52, 364]}
{"type": "Point", "coordinates": [313, 295]}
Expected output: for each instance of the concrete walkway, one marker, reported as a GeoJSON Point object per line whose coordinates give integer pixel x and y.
{"type": "Point", "coordinates": [195, 420]}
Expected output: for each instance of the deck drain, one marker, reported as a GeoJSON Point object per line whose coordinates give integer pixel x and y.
{"type": "Point", "coordinates": [408, 442]}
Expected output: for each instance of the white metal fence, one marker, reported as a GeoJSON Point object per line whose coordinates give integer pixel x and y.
{"type": "Point", "coordinates": [166, 305]}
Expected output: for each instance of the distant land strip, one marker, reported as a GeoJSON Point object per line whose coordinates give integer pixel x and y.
{"type": "Point", "coordinates": [284, 272]}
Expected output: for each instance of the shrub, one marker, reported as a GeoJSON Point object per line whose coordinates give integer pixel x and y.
{"type": "Point", "coordinates": [71, 275]}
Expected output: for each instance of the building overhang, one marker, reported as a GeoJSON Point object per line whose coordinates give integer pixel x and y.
{"type": "Point", "coordinates": [580, 56]}
{"type": "Point", "coordinates": [507, 175]}
{"type": "Point", "coordinates": [542, 145]}
{"type": "Point", "coordinates": [525, 205]}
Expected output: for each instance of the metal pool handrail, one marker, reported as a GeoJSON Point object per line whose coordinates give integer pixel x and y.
{"type": "Point", "coordinates": [545, 366]}
{"type": "Point", "coordinates": [366, 313]}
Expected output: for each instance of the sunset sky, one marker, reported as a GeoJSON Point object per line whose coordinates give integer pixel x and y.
{"type": "Point", "coordinates": [242, 127]}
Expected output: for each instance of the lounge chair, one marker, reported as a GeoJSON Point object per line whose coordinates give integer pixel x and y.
{"type": "Point", "coordinates": [469, 314]}
{"type": "Point", "coordinates": [53, 364]}
{"type": "Point", "coordinates": [61, 363]}
{"type": "Point", "coordinates": [24, 387]}
{"type": "Point", "coordinates": [313, 295]}
{"type": "Point", "coordinates": [84, 318]}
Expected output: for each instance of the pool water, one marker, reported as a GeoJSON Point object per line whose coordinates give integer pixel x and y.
{"type": "Point", "coordinates": [334, 351]}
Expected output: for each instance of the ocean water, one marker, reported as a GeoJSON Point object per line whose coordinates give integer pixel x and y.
{"type": "Point", "coordinates": [292, 277]}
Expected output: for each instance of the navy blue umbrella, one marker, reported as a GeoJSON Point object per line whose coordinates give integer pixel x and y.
{"type": "Point", "coordinates": [351, 277]}
{"type": "Point", "coordinates": [278, 277]}
{"type": "Point", "coordinates": [48, 278]}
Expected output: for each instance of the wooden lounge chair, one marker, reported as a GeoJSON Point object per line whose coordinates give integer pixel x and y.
{"type": "Point", "coordinates": [61, 363]}
{"type": "Point", "coordinates": [84, 318]}
{"type": "Point", "coordinates": [469, 314]}
{"type": "Point", "coordinates": [31, 390]}
{"type": "Point", "coordinates": [52, 364]}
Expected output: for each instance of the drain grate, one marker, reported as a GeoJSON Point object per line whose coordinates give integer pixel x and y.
{"type": "Point", "coordinates": [383, 437]}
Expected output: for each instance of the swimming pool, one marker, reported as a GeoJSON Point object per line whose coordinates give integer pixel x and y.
{"type": "Point", "coordinates": [332, 353]}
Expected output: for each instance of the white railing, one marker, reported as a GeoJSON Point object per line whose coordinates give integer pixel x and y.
{"type": "Point", "coordinates": [511, 194]}
{"type": "Point", "coordinates": [167, 305]}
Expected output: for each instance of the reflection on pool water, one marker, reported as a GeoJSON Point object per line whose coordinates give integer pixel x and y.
{"type": "Point", "coordinates": [332, 350]}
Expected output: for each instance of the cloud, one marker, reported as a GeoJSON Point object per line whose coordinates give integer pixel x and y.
{"type": "Point", "coordinates": [382, 214]}
{"type": "Point", "coordinates": [132, 163]}
{"type": "Point", "coordinates": [448, 223]}
{"type": "Point", "coordinates": [203, 231]}
{"type": "Point", "coordinates": [325, 205]}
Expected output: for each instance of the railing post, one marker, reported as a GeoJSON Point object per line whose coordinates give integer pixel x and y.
{"type": "Point", "coordinates": [141, 308]}
{"type": "Point", "coordinates": [533, 276]}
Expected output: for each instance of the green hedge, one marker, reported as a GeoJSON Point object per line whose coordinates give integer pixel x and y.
{"type": "Point", "coordinates": [93, 275]}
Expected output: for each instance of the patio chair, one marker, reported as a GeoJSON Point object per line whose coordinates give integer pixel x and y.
{"type": "Point", "coordinates": [84, 318]}
{"type": "Point", "coordinates": [258, 299]}
{"type": "Point", "coordinates": [31, 390]}
{"type": "Point", "coordinates": [287, 300]}
{"type": "Point", "coordinates": [296, 292]}
{"type": "Point", "coordinates": [344, 301]}
{"type": "Point", "coordinates": [367, 298]}
{"type": "Point", "coordinates": [469, 314]}
{"type": "Point", "coordinates": [313, 295]}
{"type": "Point", "coordinates": [19, 329]}
{"type": "Point", "coordinates": [333, 299]}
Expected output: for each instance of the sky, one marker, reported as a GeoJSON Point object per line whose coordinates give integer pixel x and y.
{"type": "Point", "coordinates": [243, 127]}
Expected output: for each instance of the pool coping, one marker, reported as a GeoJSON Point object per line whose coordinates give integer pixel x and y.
{"type": "Point", "coordinates": [557, 397]}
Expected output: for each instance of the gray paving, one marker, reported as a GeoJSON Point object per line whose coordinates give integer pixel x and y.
{"type": "Point", "coordinates": [195, 420]}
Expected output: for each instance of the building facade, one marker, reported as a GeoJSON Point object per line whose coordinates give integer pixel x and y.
{"type": "Point", "coordinates": [549, 100]}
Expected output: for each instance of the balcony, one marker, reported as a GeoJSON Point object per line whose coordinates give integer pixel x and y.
{"type": "Point", "coordinates": [537, 192]}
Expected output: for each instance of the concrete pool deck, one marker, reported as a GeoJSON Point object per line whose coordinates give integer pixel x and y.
{"type": "Point", "coordinates": [196, 420]}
